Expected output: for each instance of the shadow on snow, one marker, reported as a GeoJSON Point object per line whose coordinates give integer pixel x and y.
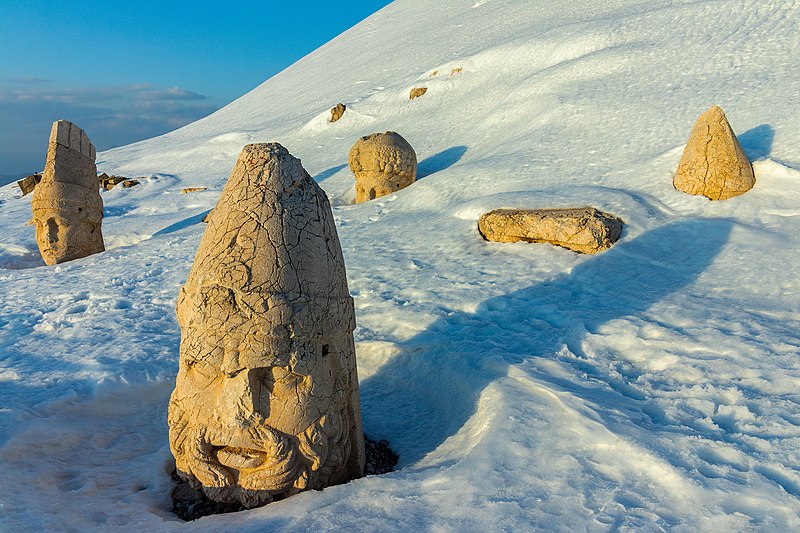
{"type": "Point", "coordinates": [429, 391]}
{"type": "Point", "coordinates": [441, 161]}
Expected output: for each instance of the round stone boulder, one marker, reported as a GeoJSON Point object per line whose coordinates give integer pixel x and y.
{"type": "Point", "coordinates": [383, 163]}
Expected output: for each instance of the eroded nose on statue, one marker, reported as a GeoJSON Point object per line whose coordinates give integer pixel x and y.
{"type": "Point", "coordinates": [240, 391]}
{"type": "Point", "coordinates": [237, 400]}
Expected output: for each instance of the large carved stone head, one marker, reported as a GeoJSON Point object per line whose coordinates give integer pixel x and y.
{"type": "Point", "coordinates": [383, 163]}
{"type": "Point", "coordinates": [266, 398]}
{"type": "Point", "coordinates": [67, 208]}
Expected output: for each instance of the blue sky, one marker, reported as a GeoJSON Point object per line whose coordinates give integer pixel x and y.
{"type": "Point", "coordinates": [126, 71]}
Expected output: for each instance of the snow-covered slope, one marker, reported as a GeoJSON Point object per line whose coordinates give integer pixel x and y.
{"type": "Point", "coordinates": [654, 386]}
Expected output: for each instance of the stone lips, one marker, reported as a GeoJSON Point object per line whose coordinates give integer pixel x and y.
{"type": "Point", "coordinates": [584, 230]}
{"type": "Point", "coordinates": [382, 163]}
{"type": "Point", "coordinates": [713, 163]}
{"type": "Point", "coordinates": [266, 399]}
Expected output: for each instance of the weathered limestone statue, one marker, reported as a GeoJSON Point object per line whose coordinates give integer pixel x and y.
{"type": "Point", "coordinates": [67, 207]}
{"type": "Point", "coordinates": [713, 162]}
{"type": "Point", "coordinates": [383, 163]}
{"type": "Point", "coordinates": [585, 230]}
{"type": "Point", "coordinates": [266, 398]}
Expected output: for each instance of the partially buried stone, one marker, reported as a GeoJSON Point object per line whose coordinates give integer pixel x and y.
{"type": "Point", "coordinates": [193, 189]}
{"type": "Point", "coordinates": [416, 92]}
{"type": "Point", "coordinates": [109, 182]}
{"type": "Point", "coordinates": [67, 207]}
{"type": "Point", "coordinates": [266, 397]}
{"type": "Point", "coordinates": [130, 183]}
{"type": "Point", "coordinates": [585, 230]}
{"type": "Point", "coordinates": [28, 183]}
{"type": "Point", "coordinates": [337, 112]}
{"type": "Point", "coordinates": [713, 163]}
{"type": "Point", "coordinates": [383, 163]}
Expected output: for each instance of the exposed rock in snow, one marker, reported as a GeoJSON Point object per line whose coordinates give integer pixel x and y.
{"type": "Point", "coordinates": [585, 230]}
{"type": "Point", "coordinates": [713, 163]}
{"type": "Point", "coordinates": [337, 111]}
{"type": "Point", "coordinates": [416, 92]}
{"type": "Point", "coordinates": [28, 183]}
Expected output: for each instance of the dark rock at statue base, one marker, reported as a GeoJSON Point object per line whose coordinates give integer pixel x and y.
{"type": "Point", "coordinates": [380, 457]}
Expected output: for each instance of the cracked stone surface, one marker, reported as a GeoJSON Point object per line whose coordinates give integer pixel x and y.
{"type": "Point", "coordinates": [585, 230]}
{"type": "Point", "coordinates": [713, 163]}
{"type": "Point", "coordinates": [383, 163]}
{"type": "Point", "coordinates": [67, 208]}
{"type": "Point", "coordinates": [266, 398]}
{"type": "Point", "coordinates": [337, 112]}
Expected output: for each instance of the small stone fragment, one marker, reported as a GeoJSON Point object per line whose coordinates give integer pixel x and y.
{"type": "Point", "coordinates": [337, 112]}
{"type": "Point", "coordinates": [713, 163]}
{"type": "Point", "coordinates": [434, 73]}
{"type": "Point", "coordinates": [584, 230]}
{"type": "Point", "coordinates": [130, 183]}
{"type": "Point", "coordinates": [28, 183]}
{"type": "Point", "coordinates": [109, 182]}
{"type": "Point", "coordinates": [456, 71]}
{"type": "Point", "coordinates": [67, 207]}
{"type": "Point", "coordinates": [383, 163]}
{"type": "Point", "coordinates": [416, 92]}
{"type": "Point", "coordinates": [266, 398]}
{"type": "Point", "coordinates": [193, 189]}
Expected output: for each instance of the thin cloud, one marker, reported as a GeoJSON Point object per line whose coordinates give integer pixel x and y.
{"type": "Point", "coordinates": [24, 80]}
{"type": "Point", "coordinates": [83, 95]}
{"type": "Point", "coordinates": [173, 93]}
{"type": "Point", "coordinates": [111, 115]}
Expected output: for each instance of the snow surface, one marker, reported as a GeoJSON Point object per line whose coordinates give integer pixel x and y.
{"type": "Point", "coordinates": [652, 387]}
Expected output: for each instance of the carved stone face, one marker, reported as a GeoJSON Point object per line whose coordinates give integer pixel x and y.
{"type": "Point", "coordinates": [60, 234]}
{"type": "Point", "coordinates": [256, 413]}
{"type": "Point", "coordinates": [266, 398]}
{"type": "Point", "coordinates": [67, 207]}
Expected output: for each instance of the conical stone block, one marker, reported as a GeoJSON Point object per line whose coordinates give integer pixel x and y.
{"type": "Point", "coordinates": [713, 163]}
{"type": "Point", "coordinates": [266, 398]}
